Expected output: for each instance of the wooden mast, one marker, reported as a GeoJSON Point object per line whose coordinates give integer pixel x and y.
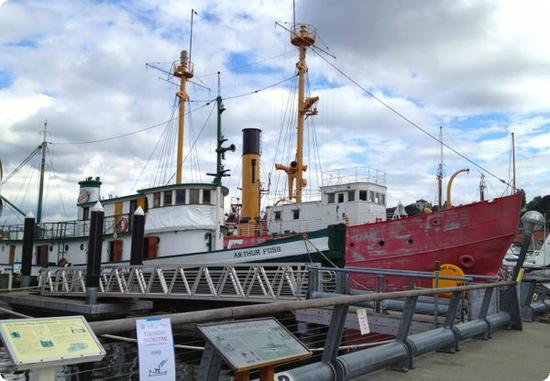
{"type": "Point", "coordinates": [183, 71]}
{"type": "Point", "coordinates": [296, 182]}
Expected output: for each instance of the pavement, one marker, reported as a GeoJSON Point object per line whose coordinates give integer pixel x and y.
{"type": "Point", "coordinates": [508, 356]}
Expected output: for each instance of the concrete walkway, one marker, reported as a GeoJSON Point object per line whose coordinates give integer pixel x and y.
{"type": "Point", "coordinates": [508, 356]}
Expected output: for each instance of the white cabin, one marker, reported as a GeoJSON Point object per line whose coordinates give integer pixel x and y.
{"type": "Point", "coordinates": [360, 201]}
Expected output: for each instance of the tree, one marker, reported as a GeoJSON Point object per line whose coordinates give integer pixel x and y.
{"type": "Point", "coordinates": [412, 210]}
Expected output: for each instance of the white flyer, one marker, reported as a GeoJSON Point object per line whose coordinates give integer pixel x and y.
{"type": "Point", "coordinates": [363, 321]}
{"type": "Point", "coordinates": [156, 350]}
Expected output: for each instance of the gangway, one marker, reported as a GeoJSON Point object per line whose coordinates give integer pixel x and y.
{"type": "Point", "coordinates": [265, 282]}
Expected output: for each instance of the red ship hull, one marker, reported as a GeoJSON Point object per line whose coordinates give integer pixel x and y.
{"type": "Point", "coordinates": [474, 237]}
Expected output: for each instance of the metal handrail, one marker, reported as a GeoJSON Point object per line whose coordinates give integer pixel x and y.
{"type": "Point", "coordinates": [195, 317]}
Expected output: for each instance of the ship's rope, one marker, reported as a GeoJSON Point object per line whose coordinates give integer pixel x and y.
{"type": "Point", "coordinates": [22, 164]}
{"type": "Point", "coordinates": [409, 121]}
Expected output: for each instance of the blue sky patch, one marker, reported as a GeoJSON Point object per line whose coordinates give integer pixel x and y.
{"type": "Point", "coordinates": [6, 79]}
{"type": "Point", "coordinates": [26, 43]}
{"type": "Point", "coordinates": [244, 63]}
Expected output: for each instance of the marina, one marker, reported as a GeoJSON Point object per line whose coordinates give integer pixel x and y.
{"type": "Point", "coordinates": [235, 245]}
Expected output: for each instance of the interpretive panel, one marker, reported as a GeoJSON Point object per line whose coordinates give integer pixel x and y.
{"type": "Point", "coordinates": [251, 344]}
{"type": "Point", "coordinates": [44, 342]}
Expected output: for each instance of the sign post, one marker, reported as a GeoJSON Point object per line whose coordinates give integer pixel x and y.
{"type": "Point", "coordinates": [156, 350]}
{"type": "Point", "coordinates": [47, 343]}
{"type": "Point", "coordinates": [249, 345]}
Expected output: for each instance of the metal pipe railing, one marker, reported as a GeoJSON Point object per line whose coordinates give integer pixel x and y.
{"type": "Point", "coordinates": [128, 324]}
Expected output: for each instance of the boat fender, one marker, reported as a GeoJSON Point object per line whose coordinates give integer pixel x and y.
{"type": "Point", "coordinates": [466, 261]}
{"type": "Point", "coordinates": [122, 225]}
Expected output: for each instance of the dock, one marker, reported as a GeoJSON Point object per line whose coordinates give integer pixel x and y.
{"type": "Point", "coordinates": [510, 356]}
{"type": "Point", "coordinates": [480, 328]}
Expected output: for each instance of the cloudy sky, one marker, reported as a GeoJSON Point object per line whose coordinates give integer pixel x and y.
{"type": "Point", "coordinates": [480, 69]}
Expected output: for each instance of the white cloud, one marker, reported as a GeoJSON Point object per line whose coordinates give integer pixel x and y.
{"type": "Point", "coordinates": [81, 65]}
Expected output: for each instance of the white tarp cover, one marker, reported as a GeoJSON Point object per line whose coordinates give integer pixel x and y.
{"type": "Point", "coordinates": [188, 217]}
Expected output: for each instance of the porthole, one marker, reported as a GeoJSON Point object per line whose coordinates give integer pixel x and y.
{"type": "Point", "coordinates": [81, 246]}
{"type": "Point", "coordinates": [435, 221]}
{"type": "Point", "coordinates": [51, 247]}
{"type": "Point", "coordinates": [381, 243]}
{"type": "Point", "coordinates": [66, 247]}
{"type": "Point", "coordinates": [352, 244]}
{"type": "Point", "coordinates": [410, 241]}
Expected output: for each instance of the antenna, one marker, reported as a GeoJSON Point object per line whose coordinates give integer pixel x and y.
{"type": "Point", "coordinates": [293, 15]}
{"type": "Point", "coordinates": [191, 34]}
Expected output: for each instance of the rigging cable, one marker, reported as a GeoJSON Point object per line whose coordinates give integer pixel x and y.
{"type": "Point", "coordinates": [126, 134]}
{"type": "Point", "coordinates": [195, 142]}
{"type": "Point", "coordinates": [402, 116]}
{"type": "Point", "coordinates": [25, 161]}
{"type": "Point", "coordinates": [261, 89]}
{"type": "Point", "coordinates": [51, 157]}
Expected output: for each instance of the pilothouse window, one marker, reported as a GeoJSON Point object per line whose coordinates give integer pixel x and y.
{"type": "Point", "coordinates": [330, 198]}
{"type": "Point", "coordinates": [180, 196]}
{"type": "Point", "coordinates": [194, 196]}
{"type": "Point", "coordinates": [206, 196]}
{"type": "Point", "coordinates": [296, 214]}
{"type": "Point", "coordinates": [277, 216]}
{"type": "Point", "coordinates": [156, 199]}
{"type": "Point", "coordinates": [363, 195]}
{"type": "Point", "coordinates": [340, 197]}
{"type": "Point", "coordinates": [168, 198]}
{"type": "Point", "coordinates": [351, 195]}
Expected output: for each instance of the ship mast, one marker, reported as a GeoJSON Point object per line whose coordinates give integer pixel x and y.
{"type": "Point", "coordinates": [440, 172]}
{"type": "Point", "coordinates": [296, 182]}
{"type": "Point", "coordinates": [513, 163]}
{"type": "Point", "coordinates": [183, 71]}
{"type": "Point", "coordinates": [42, 168]}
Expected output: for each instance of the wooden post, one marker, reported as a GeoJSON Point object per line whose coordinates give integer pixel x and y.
{"type": "Point", "coordinates": [28, 244]}
{"type": "Point", "coordinates": [93, 264]}
{"type": "Point", "coordinates": [138, 228]}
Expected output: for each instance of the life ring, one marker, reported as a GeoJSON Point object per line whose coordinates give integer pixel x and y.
{"type": "Point", "coordinates": [467, 261]}
{"type": "Point", "coordinates": [122, 225]}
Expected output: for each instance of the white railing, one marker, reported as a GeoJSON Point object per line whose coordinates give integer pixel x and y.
{"type": "Point", "coordinates": [246, 282]}
{"type": "Point", "coordinates": [354, 175]}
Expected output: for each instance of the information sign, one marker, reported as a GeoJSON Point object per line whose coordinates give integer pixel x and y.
{"type": "Point", "coordinates": [44, 342]}
{"type": "Point", "coordinates": [363, 321]}
{"type": "Point", "coordinates": [156, 349]}
{"type": "Point", "coordinates": [252, 344]}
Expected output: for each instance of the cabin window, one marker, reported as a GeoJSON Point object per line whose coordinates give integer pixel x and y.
{"type": "Point", "coordinates": [340, 198]}
{"type": "Point", "coordinates": [351, 195]}
{"type": "Point", "coordinates": [363, 195]}
{"type": "Point", "coordinates": [371, 196]}
{"type": "Point", "coordinates": [206, 196]}
{"type": "Point", "coordinates": [180, 196]}
{"type": "Point", "coordinates": [330, 198]}
{"type": "Point", "coordinates": [85, 213]}
{"type": "Point", "coordinates": [168, 198]}
{"type": "Point", "coordinates": [156, 199]}
{"type": "Point", "coordinates": [382, 199]}
{"type": "Point", "coordinates": [377, 198]}
{"type": "Point", "coordinates": [296, 214]}
{"type": "Point", "coordinates": [194, 196]}
{"type": "Point", "coordinates": [278, 215]}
